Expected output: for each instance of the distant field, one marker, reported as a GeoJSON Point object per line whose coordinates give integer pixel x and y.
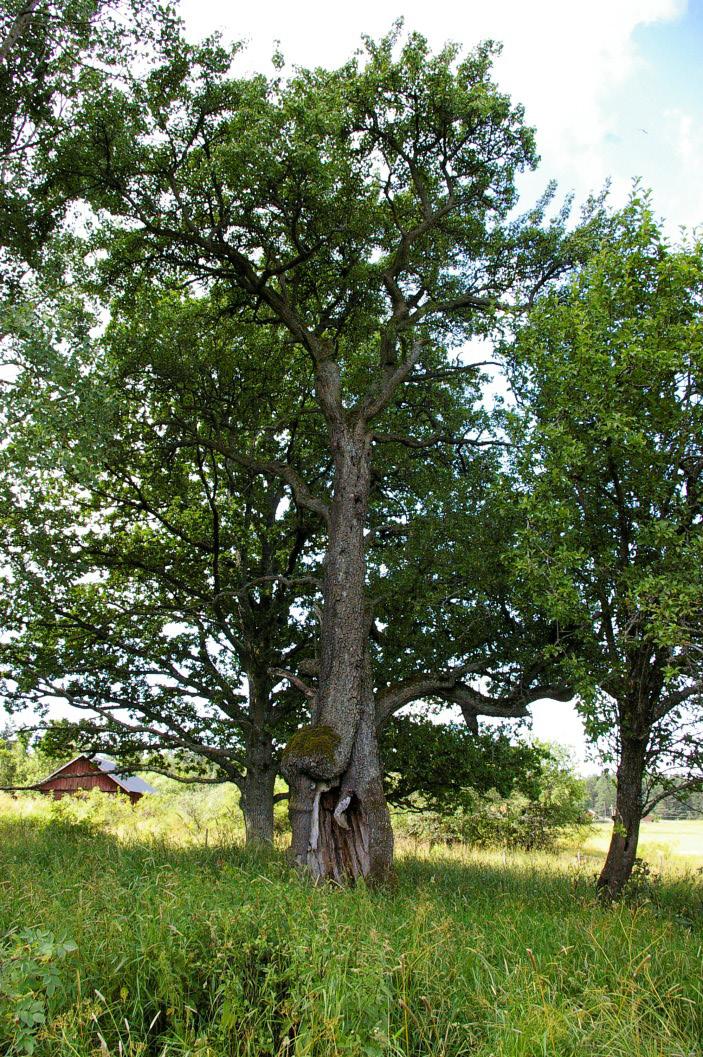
{"type": "Point", "coordinates": [674, 844]}
{"type": "Point", "coordinates": [153, 934]}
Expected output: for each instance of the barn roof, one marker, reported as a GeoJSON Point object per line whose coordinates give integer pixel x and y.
{"type": "Point", "coordinates": [130, 783]}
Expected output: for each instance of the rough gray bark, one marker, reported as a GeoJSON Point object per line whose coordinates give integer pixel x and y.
{"type": "Point", "coordinates": [622, 852]}
{"type": "Point", "coordinates": [339, 816]}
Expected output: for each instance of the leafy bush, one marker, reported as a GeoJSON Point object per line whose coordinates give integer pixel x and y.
{"type": "Point", "coordinates": [518, 820]}
{"type": "Point", "coordinates": [432, 765]}
{"type": "Point", "coordinates": [29, 978]}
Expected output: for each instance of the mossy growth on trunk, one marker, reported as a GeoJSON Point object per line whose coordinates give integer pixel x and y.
{"type": "Point", "coordinates": [312, 751]}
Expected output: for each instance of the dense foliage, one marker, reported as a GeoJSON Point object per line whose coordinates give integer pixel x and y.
{"type": "Point", "coordinates": [268, 371]}
{"type": "Point", "coordinates": [50, 55]}
{"type": "Point", "coordinates": [433, 765]}
{"type": "Point", "coordinates": [250, 479]}
{"type": "Point", "coordinates": [512, 796]}
{"type": "Point", "coordinates": [608, 430]}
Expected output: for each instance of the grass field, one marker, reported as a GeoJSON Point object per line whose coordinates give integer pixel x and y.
{"type": "Point", "coordinates": [171, 947]}
{"type": "Point", "coordinates": [666, 845]}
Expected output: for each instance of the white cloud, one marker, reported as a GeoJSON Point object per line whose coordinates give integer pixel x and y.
{"type": "Point", "coordinates": [684, 140]}
{"type": "Point", "coordinates": [565, 61]}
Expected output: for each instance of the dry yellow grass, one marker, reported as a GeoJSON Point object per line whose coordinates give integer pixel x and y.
{"type": "Point", "coordinates": [673, 845]}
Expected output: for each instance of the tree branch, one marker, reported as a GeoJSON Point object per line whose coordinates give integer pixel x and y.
{"type": "Point", "coordinates": [380, 395]}
{"type": "Point", "coordinates": [301, 493]}
{"type": "Point", "coordinates": [473, 703]}
{"type": "Point", "coordinates": [283, 673]}
{"type": "Point", "coordinates": [17, 28]}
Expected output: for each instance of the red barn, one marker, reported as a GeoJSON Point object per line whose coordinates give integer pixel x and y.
{"type": "Point", "coordinates": [97, 773]}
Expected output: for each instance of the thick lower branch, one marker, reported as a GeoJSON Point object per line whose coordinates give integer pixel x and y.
{"type": "Point", "coordinates": [449, 686]}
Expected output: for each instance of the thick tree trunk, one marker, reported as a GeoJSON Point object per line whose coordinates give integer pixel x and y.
{"type": "Point", "coordinates": [340, 825]}
{"type": "Point", "coordinates": [339, 816]}
{"type": "Point", "coordinates": [622, 852]}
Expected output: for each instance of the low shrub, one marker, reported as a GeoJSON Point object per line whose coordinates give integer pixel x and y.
{"type": "Point", "coordinates": [494, 821]}
{"type": "Point", "coordinates": [30, 978]}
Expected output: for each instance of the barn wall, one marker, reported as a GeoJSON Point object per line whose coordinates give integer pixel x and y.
{"type": "Point", "coordinates": [82, 774]}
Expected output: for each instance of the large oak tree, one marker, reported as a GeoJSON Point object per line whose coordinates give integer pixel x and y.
{"type": "Point", "coordinates": [164, 590]}
{"type": "Point", "coordinates": [363, 216]}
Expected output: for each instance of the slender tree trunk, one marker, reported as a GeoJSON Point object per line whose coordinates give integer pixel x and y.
{"type": "Point", "coordinates": [339, 816]}
{"type": "Point", "coordinates": [262, 765]}
{"type": "Point", "coordinates": [18, 27]}
{"type": "Point", "coordinates": [628, 815]}
{"type": "Point", "coordinates": [257, 805]}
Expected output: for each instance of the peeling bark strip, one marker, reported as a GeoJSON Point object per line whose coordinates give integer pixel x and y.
{"type": "Point", "coordinates": [339, 816]}
{"type": "Point", "coordinates": [343, 852]}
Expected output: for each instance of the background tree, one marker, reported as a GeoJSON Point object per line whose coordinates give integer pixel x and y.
{"type": "Point", "coordinates": [362, 213]}
{"type": "Point", "coordinates": [23, 760]}
{"type": "Point", "coordinates": [608, 375]}
{"type": "Point", "coordinates": [601, 790]}
{"type": "Point", "coordinates": [49, 52]}
{"type": "Point", "coordinates": [516, 795]}
{"type": "Point", "coordinates": [431, 766]}
{"type": "Point", "coordinates": [153, 582]}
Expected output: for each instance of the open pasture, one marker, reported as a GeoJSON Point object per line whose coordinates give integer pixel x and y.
{"type": "Point", "coordinates": [668, 844]}
{"type": "Point", "coordinates": [176, 948]}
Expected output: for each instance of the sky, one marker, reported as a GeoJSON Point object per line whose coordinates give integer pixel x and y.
{"type": "Point", "coordinates": [614, 89]}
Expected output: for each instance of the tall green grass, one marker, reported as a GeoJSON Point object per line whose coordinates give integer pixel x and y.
{"type": "Point", "coordinates": [209, 951]}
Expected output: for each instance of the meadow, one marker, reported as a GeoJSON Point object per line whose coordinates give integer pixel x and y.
{"type": "Point", "coordinates": [153, 933]}
{"type": "Point", "coordinates": [668, 845]}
